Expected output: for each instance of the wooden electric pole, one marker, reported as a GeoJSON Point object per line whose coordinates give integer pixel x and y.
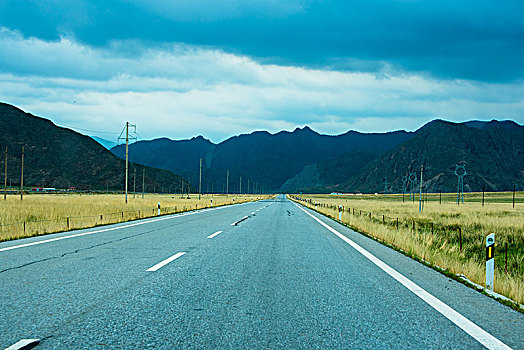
{"type": "Point", "coordinates": [200, 180]}
{"type": "Point", "coordinates": [127, 137]}
{"type": "Point", "coordinates": [22, 177]}
{"type": "Point", "coordinates": [227, 177]}
{"type": "Point", "coordinates": [143, 181]}
{"type": "Point", "coordinates": [134, 184]}
{"type": "Point", "coordinates": [5, 175]}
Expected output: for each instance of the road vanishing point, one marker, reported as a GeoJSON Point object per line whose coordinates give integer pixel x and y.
{"type": "Point", "coordinates": [269, 274]}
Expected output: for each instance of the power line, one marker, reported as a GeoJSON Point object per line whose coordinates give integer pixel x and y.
{"type": "Point", "coordinates": [95, 131]}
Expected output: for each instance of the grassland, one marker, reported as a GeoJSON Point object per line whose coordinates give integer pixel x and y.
{"type": "Point", "coordinates": [437, 234]}
{"type": "Point", "coordinates": [40, 214]}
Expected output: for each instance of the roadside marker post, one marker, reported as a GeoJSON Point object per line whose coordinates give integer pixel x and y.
{"type": "Point", "coordinates": [339, 213]}
{"type": "Point", "coordinates": [158, 208]}
{"type": "Point", "coordinates": [490, 261]}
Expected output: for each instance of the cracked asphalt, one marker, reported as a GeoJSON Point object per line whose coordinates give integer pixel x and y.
{"type": "Point", "coordinates": [276, 279]}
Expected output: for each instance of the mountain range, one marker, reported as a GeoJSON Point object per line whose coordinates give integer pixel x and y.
{"type": "Point", "coordinates": [298, 161]}
{"type": "Point", "coordinates": [60, 157]}
{"type": "Point", "coordinates": [306, 161]}
{"type": "Point", "coordinates": [264, 160]}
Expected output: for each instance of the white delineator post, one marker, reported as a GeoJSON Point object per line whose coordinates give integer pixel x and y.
{"type": "Point", "coordinates": [211, 201]}
{"type": "Point", "coordinates": [490, 261]}
{"type": "Point", "coordinates": [340, 213]}
{"type": "Point", "coordinates": [158, 208]}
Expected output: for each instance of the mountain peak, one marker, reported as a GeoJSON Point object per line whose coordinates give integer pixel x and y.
{"type": "Point", "coordinates": [306, 130]}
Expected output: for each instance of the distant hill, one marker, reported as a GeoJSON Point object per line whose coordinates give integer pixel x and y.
{"type": "Point", "coordinates": [326, 175]}
{"type": "Point", "coordinates": [494, 124]}
{"type": "Point", "coordinates": [59, 157]}
{"type": "Point", "coordinates": [269, 160]}
{"type": "Point", "coordinates": [493, 153]}
{"type": "Point", "coordinates": [106, 143]}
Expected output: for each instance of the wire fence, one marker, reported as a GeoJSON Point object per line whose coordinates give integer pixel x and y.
{"type": "Point", "coordinates": [31, 228]}
{"type": "Point", "coordinates": [470, 244]}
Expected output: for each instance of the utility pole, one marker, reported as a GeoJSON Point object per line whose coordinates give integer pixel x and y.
{"type": "Point", "coordinates": [240, 187]}
{"type": "Point", "coordinates": [5, 175]}
{"type": "Point", "coordinates": [126, 128]}
{"type": "Point", "coordinates": [143, 181]}
{"type": "Point", "coordinates": [412, 180]}
{"type": "Point", "coordinates": [22, 177]}
{"type": "Point", "coordinates": [404, 181]}
{"type": "Point", "coordinates": [134, 183]}
{"type": "Point", "coordinates": [127, 153]}
{"type": "Point", "coordinates": [460, 172]}
{"type": "Point", "coordinates": [200, 180]}
{"type": "Point", "coordinates": [513, 192]}
{"type": "Point", "coordinates": [227, 183]}
{"type": "Point", "coordinates": [420, 198]}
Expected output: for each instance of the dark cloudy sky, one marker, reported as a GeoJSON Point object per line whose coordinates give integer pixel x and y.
{"type": "Point", "coordinates": [180, 68]}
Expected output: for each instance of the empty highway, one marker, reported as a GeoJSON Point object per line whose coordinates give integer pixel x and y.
{"type": "Point", "coordinates": [268, 274]}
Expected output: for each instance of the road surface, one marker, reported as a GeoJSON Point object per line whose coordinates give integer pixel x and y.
{"type": "Point", "coordinates": [267, 274]}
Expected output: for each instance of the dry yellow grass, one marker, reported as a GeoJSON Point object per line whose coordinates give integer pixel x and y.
{"type": "Point", "coordinates": [442, 247]}
{"type": "Point", "coordinates": [47, 213]}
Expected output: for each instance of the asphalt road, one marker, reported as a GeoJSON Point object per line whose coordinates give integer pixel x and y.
{"type": "Point", "coordinates": [279, 278]}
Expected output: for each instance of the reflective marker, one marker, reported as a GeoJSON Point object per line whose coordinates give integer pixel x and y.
{"type": "Point", "coordinates": [490, 261]}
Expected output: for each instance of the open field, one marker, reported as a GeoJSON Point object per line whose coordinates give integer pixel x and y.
{"type": "Point", "coordinates": [438, 233]}
{"type": "Point", "coordinates": [39, 214]}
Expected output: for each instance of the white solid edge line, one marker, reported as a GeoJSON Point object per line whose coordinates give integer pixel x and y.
{"type": "Point", "coordinates": [214, 234]}
{"type": "Point", "coordinates": [23, 344]}
{"type": "Point", "coordinates": [173, 216]}
{"type": "Point", "coordinates": [165, 262]}
{"type": "Point", "coordinates": [466, 325]}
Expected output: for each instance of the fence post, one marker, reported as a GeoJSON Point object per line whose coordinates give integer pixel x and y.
{"type": "Point", "coordinates": [431, 228]}
{"type": "Point", "coordinates": [24, 227]}
{"type": "Point", "coordinates": [122, 215]}
{"type": "Point", "coordinates": [506, 257]}
{"type": "Point", "coordinates": [460, 238]}
{"type": "Point", "coordinates": [383, 222]}
{"type": "Point", "coordinates": [413, 226]}
{"type": "Point", "coordinates": [68, 223]}
{"type": "Point", "coordinates": [397, 224]}
{"type": "Point", "coordinates": [101, 217]}
{"type": "Point", "coordinates": [369, 215]}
